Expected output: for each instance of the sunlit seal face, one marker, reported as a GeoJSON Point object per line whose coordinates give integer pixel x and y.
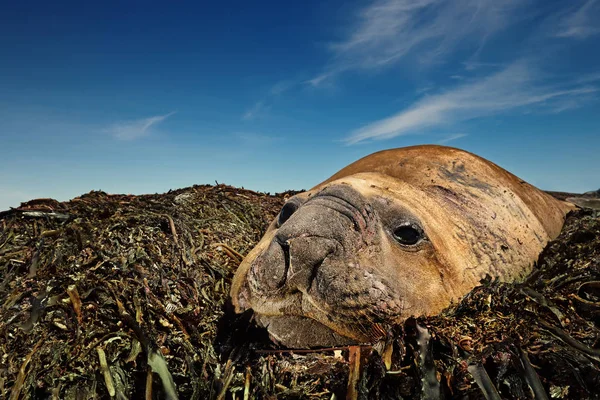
{"type": "Point", "coordinates": [368, 249]}
{"type": "Point", "coordinates": [330, 257]}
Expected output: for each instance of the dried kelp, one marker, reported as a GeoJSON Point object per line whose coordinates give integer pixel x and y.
{"type": "Point", "coordinates": [114, 296]}
{"type": "Point", "coordinates": [119, 296]}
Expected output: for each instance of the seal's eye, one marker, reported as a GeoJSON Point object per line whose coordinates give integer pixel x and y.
{"type": "Point", "coordinates": [286, 212]}
{"type": "Point", "coordinates": [408, 235]}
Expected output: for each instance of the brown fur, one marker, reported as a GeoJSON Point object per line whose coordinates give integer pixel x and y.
{"type": "Point", "coordinates": [345, 273]}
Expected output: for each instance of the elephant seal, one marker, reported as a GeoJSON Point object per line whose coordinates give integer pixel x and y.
{"type": "Point", "coordinates": [398, 233]}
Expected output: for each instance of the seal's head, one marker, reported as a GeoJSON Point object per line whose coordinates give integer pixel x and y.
{"type": "Point", "coordinates": [370, 248]}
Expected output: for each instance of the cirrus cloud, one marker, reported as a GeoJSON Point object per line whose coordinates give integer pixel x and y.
{"type": "Point", "coordinates": [513, 87]}
{"type": "Point", "coordinates": [581, 23]}
{"type": "Point", "coordinates": [135, 129]}
{"type": "Point", "coordinates": [387, 31]}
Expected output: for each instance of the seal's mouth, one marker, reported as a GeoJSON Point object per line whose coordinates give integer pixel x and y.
{"type": "Point", "coordinates": [334, 309]}
{"type": "Point", "coordinates": [295, 331]}
{"type": "Point", "coordinates": [310, 293]}
{"type": "Point", "coordinates": [301, 332]}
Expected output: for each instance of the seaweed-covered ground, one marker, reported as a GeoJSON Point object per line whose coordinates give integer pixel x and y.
{"type": "Point", "coordinates": [116, 296]}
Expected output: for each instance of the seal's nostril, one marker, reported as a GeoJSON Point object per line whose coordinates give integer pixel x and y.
{"type": "Point", "coordinates": [269, 271]}
{"type": "Point", "coordinates": [285, 246]}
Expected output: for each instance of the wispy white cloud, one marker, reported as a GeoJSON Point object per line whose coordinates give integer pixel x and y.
{"type": "Point", "coordinates": [452, 137]}
{"type": "Point", "coordinates": [260, 108]}
{"type": "Point", "coordinates": [513, 87]}
{"type": "Point", "coordinates": [389, 30]}
{"type": "Point", "coordinates": [255, 111]}
{"type": "Point", "coordinates": [131, 130]}
{"type": "Point", "coordinates": [588, 78]}
{"type": "Point", "coordinates": [320, 79]}
{"type": "Point", "coordinates": [473, 65]}
{"type": "Point", "coordinates": [424, 89]}
{"type": "Point", "coordinates": [282, 87]}
{"type": "Point", "coordinates": [581, 23]}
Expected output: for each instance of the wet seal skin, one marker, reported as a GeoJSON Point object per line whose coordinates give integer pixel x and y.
{"type": "Point", "coordinates": [399, 233]}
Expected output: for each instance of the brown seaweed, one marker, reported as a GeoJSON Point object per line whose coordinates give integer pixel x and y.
{"type": "Point", "coordinates": [120, 296]}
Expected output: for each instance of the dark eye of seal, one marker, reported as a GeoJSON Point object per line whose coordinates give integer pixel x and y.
{"type": "Point", "coordinates": [286, 212]}
{"type": "Point", "coordinates": [408, 235]}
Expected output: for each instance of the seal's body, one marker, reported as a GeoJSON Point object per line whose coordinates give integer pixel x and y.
{"type": "Point", "coordinates": [398, 233]}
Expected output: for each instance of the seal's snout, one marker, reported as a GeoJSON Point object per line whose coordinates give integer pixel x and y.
{"type": "Point", "coordinates": [310, 236]}
{"type": "Point", "coordinates": [324, 229]}
{"type": "Point", "coordinates": [311, 265]}
{"type": "Point", "coordinates": [305, 257]}
{"type": "Point", "coordinates": [291, 264]}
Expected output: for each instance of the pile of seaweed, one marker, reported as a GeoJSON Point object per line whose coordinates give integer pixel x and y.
{"type": "Point", "coordinates": [120, 296]}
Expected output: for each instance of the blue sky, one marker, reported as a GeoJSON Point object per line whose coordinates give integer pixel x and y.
{"type": "Point", "coordinates": [141, 97]}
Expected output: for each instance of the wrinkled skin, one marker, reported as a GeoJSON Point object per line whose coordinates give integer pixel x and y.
{"type": "Point", "coordinates": [398, 233]}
